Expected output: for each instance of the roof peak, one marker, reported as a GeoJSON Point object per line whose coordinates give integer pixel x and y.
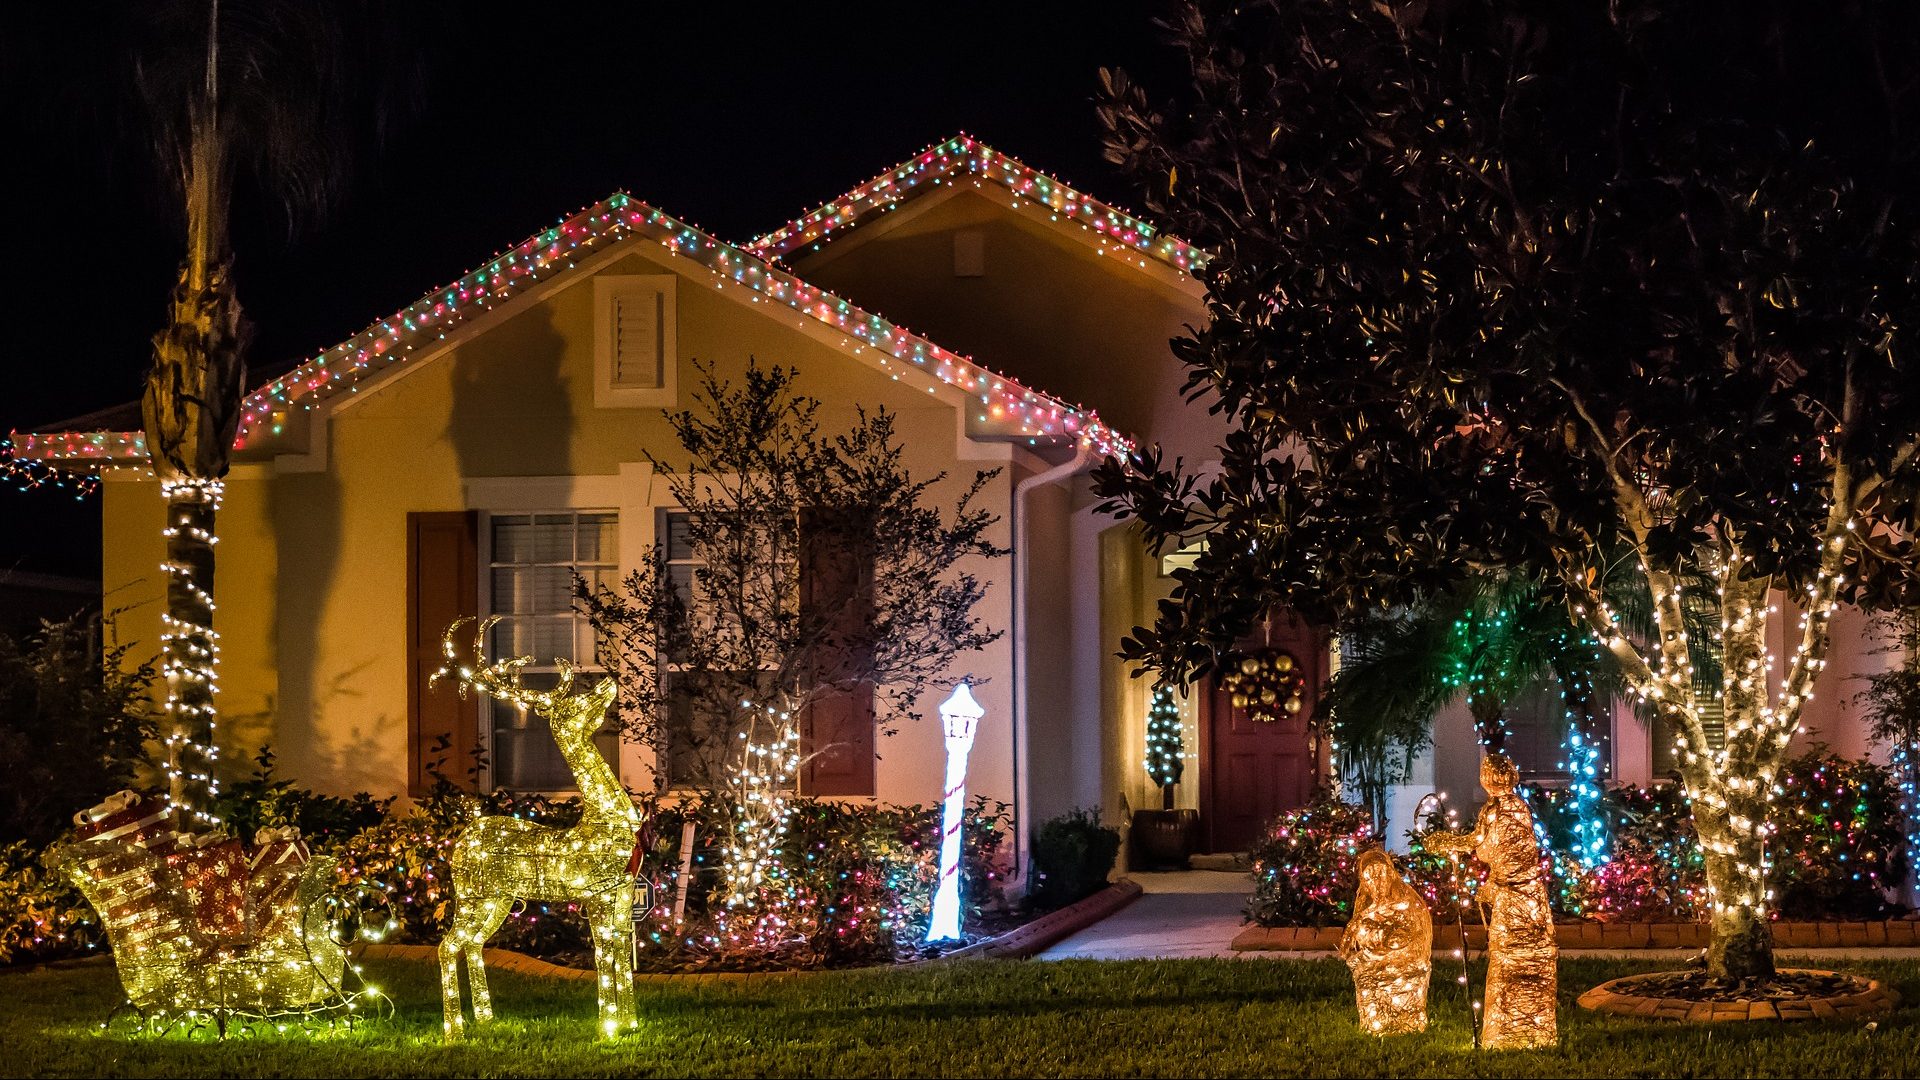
{"type": "Point", "coordinates": [963, 154]}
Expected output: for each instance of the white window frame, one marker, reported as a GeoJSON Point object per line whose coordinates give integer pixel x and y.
{"type": "Point", "coordinates": [541, 665]}
{"type": "Point", "coordinates": [664, 766]}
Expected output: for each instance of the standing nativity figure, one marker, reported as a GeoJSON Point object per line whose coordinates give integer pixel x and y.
{"type": "Point", "coordinates": [1389, 948]}
{"type": "Point", "coordinates": [1522, 958]}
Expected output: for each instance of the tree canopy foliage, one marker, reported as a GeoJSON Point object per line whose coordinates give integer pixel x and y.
{"type": "Point", "coordinates": [1564, 289]}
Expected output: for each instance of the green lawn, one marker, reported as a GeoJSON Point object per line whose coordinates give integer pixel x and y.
{"type": "Point", "coordinates": [986, 1018]}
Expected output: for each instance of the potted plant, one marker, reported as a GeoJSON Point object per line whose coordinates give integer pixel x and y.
{"type": "Point", "coordinates": [1164, 838]}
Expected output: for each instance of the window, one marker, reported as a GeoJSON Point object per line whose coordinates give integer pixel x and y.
{"type": "Point", "coordinates": [1666, 755]}
{"type": "Point", "coordinates": [531, 563]}
{"type": "Point", "coordinates": [635, 341]}
{"type": "Point", "coordinates": [1537, 735]}
{"type": "Point", "coordinates": [700, 741]}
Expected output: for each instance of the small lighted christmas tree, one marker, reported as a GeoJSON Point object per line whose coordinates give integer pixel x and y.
{"type": "Point", "coordinates": [1164, 761]}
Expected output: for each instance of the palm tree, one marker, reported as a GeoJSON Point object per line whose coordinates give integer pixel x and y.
{"type": "Point", "coordinates": [278, 93]}
{"type": "Point", "coordinates": [1487, 642]}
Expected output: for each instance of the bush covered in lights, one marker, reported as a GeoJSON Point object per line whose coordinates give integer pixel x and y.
{"type": "Point", "coordinates": [1305, 865]}
{"type": "Point", "coordinates": [41, 916]}
{"type": "Point", "coordinates": [1836, 852]}
{"type": "Point", "coordinates": [854, 883]}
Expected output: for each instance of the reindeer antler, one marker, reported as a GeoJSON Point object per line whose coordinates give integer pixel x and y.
{"type": "Point", "coordinates": [501, 679]}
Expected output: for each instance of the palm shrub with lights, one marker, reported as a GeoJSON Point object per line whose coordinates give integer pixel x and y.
{"type": "Point", "coordinates": [1485, 642]}
{"type": "Point", "coordinates": [1540, 288]}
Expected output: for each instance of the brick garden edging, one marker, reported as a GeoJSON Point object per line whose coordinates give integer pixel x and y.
{"type": "Point", "coordinates": [1027, 939]}
{"type": "Point", "coordinates": [1030, 939]}
{"type": "Point", "coordinates": [1617, 997]}
{"type": "Point", "coordinates": [1594, 935]}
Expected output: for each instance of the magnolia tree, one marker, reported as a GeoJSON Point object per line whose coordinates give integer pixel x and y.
{"type": "Point", "coordinates": [808, 583]}
{"type": "Point", "coordinates": [1565, 289]}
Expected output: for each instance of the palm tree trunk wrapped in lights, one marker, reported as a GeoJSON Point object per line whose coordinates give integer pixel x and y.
{"type": "Point", "coordinates": [191, 409]}
{"type": "Point", "coordinates": [223, 90]}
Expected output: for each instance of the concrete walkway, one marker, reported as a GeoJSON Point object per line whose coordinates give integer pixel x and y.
{"type": "Point", "coordinates": [1183, 913]}
{"type": "Point", "coordinates": [1196, 913]}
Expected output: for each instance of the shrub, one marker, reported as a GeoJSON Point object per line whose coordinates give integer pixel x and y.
{"type": "Point", "coordinates": [1072, 856]}
{"type": "Point", "coordinates": [264, 799]}
{"type": "Point", "coordinates": [41, 916]}
{"type": "Point", "coordinates": [1304, 865]}
{"type": "Point", "coordinates": [1656, 873]}
{"type": "Point", "coordinates": [854, 885]}
{"type": "Point", "coordinates": [74, 719]}
{"type": "Point", "coordinates": [1836, 852]}
{"type": "Point", "coordinates": [1838, 844]}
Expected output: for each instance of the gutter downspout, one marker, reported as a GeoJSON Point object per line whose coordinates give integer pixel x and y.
{"type": "Point", "coordinates": [1082, 459]}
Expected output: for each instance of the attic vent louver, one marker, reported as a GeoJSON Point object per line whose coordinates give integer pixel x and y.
{"type": "Point", "coordinates": [634, 340]}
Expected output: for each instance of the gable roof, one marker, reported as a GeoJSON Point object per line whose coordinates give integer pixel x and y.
{"type": "Point", "coordinates": [1107, 228]}
{"type": "Point", "coordinates": [554, 252]}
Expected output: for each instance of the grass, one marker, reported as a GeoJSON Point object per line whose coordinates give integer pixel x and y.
{"type": "Point", "coordinates": [985, 1018]}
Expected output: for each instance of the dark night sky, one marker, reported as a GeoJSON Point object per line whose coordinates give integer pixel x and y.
{"type": "Point", "coordinates": [729, 117]}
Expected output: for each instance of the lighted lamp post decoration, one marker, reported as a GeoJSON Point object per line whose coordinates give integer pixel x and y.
{"type": "Point", "coordinates": [960, 717]}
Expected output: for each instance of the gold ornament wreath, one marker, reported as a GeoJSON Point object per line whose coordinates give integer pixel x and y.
{"type": "Point", "coordinates": [1268, 684]}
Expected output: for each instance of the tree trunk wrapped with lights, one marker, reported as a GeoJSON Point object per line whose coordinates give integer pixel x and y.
{"type": "Point", "coordinates": [190, 410]}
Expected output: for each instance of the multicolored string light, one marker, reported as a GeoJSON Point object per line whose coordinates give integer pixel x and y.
{"type": "Point", "coordinates": [27, 474]}
{"type": "Point", "coordinates": [1001, 402]}
{"type": "Point", "coordinates": [944, 164]}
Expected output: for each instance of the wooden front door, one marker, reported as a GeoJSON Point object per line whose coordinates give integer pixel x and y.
{"type": "Point", "coordinates": [1254, 768]}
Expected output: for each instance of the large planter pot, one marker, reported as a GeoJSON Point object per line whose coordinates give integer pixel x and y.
{"type": "Point", "coordinates": [1164, 839]}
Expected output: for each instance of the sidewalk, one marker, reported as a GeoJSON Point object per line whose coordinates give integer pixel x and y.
{"type": "Point", "coordinates": [1196, 913]}
{"type": "Point", "coordinates": [1184, 913]}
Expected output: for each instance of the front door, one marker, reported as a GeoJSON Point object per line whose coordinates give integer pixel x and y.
{"type": "Point", "coordinates": [1259, 757]}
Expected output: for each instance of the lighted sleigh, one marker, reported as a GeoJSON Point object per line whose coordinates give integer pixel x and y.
{"type": "Point", "coordinates": [204, 931]}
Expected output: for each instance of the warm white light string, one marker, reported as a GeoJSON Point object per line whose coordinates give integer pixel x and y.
{"type": "Point", "coordinates": [190, 661]}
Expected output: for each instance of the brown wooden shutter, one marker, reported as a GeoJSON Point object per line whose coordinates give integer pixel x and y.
{"type": "Point", "coordinates": [836, 593]}
{"type": "Point", "coordinates": [443, 584]}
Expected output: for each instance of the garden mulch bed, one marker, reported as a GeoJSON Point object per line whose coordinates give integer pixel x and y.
{"type": "Point", "coordinates": [1596, 935]}
{"type": "Point", "coordinates": [1695, 996]}
{"type": "Point", "coordinates": [1027, 939]}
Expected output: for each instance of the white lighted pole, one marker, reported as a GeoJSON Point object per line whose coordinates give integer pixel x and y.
{"type": "Point", "coordinates": [960, 716]}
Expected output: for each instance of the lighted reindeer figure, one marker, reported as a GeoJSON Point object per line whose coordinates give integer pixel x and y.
{"type": "Point", "coordinates": [498, 861]}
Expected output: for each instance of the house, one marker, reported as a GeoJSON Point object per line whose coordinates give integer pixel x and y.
{"type": "Point", "coordinates": [466, 454]}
